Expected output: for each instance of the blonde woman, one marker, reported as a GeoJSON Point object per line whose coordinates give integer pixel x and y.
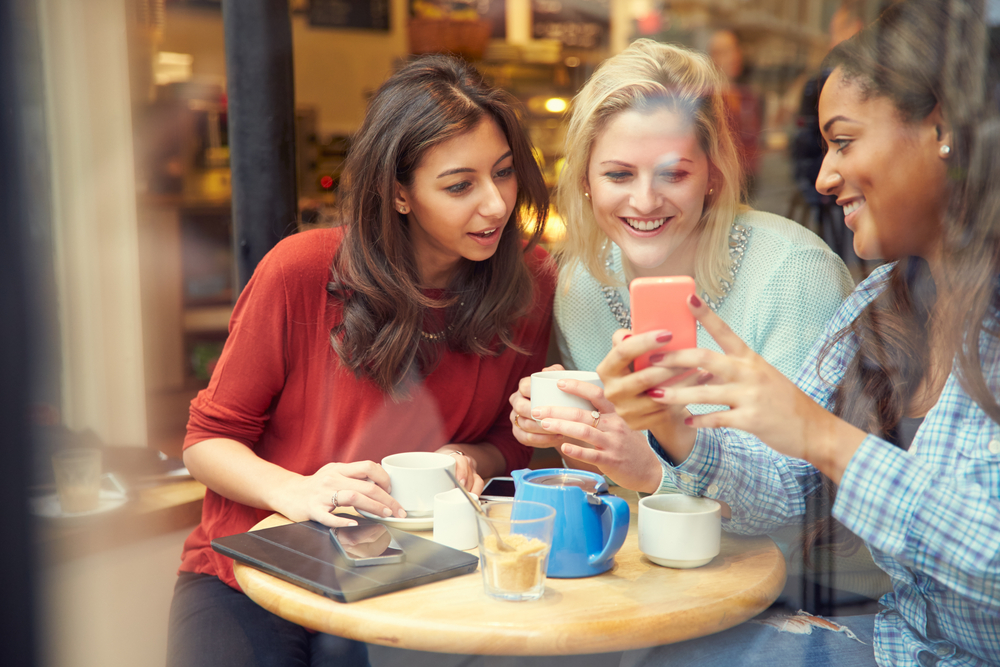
{"type": "Point", "coordinates": [651, 187]}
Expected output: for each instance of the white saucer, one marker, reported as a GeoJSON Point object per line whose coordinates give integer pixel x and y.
{"type": "Point", "coordinates": [411, 524]}
{"type": "Point", "coordinates": [48, 506]}
{"type": "Point", "coordinates": [679, 564]}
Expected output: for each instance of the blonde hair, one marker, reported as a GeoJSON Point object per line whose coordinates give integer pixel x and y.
{"type": "Point", "coordinates": [645, 76]}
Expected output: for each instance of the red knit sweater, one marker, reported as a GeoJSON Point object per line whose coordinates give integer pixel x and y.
{"type": "Point", "coordinates": [280, 389]}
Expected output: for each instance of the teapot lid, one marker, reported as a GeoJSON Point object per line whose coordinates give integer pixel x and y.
{"type": "Point", "coordinates": [589, 483]}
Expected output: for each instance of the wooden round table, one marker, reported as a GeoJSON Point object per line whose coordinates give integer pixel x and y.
{"type": "Point", "coordinates": [634, 605]}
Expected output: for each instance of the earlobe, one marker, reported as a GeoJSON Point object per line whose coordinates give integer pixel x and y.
{"type": "Point", "coordinates": [944, 143]}
{"type": "Point", "coordinates": [942, 132]}
{"type": "Point", "coordinates": [399, 200]}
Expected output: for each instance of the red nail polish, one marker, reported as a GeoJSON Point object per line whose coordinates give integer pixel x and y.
{"type": "Point", "coordinates": [664, 337]}
{"type": "Point", "coordinates": [655, 393]}
{"type": "Point", "coordinates": [705, 377]}
{"type": "Point", "coordinates": [695, 301]}
{"type": "Point", "coordinates": [626, 336]}
{"type": "Point", "coordinates": [689, 421]}
{"type": "Point", "coordinates": [653, 358]}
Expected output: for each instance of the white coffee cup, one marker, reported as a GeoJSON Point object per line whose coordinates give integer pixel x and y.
{"type": "Point", "coordinates": [455, 520]}
{"type": "Point", "coordinates": [679, 531]}
{"type": "Point", "coordinates": [416, 477]}
{"type": "Point", "coordinates": [544, 391]}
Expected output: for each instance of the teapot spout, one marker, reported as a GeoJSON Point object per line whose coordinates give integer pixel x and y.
{"type": "Point", "coordinates": [518, 476]}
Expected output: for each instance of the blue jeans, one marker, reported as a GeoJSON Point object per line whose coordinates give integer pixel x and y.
{"type": "Point", "coordinates": [214, 625]}
{"type": "Point", "coordinates": [753, 643]}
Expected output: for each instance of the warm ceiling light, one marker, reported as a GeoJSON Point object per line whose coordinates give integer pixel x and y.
{"type": "Point", "coordinates": [555, 105]}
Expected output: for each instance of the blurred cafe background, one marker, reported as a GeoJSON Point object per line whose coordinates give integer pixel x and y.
{"type": "Point", "coordinates": [122, 256]}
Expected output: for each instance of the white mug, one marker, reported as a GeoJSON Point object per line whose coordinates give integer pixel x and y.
{"type": "Point", "coordinates": [544, 391]}
{"type": "Point", "coordinates": [416, 477]}
{"type": "Point", "coordinates": [455, 520]}
{"type": "Point", "coordinates": [679, 531]}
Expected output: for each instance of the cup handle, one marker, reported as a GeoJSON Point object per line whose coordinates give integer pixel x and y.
{"type": "Point", "coordinates": [619, 527]}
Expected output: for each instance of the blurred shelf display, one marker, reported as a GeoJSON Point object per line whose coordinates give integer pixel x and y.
{"type": "Point", "coordinates": [207, 319]}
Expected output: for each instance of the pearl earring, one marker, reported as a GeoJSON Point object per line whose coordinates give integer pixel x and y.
{"type": "Point", "coordinates": [945, 150]}
{"type": "Point", "coordinates": [711, 191]}
{"type": "Point", "coordinates": [403, 210]}
{"type": "Point", "coordinates": [587, 195]}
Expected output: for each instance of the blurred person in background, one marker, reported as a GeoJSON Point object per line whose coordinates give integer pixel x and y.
{"type": "Point", "coordinates": [744, 105]}
{"type": "Point", "coordinates": [807, 149]}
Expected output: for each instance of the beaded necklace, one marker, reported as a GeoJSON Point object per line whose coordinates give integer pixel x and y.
{"type": "Point", "coordinates": [739, 236]}
{"type": "Point", "coordinates": [438, 335]}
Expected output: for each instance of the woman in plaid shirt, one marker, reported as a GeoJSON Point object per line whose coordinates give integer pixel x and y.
{"type": "Point", "coordinates": [894, 416]}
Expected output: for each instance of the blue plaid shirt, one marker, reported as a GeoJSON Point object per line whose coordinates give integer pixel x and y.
{"type": "Point", "coordinates": [930, 515]}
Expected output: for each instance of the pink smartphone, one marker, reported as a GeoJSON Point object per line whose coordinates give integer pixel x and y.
{"type": "Point", "coordinates": [661, 303]}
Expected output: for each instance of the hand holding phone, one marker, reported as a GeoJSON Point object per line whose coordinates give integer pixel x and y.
{"type": "Point", "coordinates": [368, 543]}
{"type": "Point", "coordinates": [661, 303]}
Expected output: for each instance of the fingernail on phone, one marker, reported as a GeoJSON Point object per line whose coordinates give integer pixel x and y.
{"type": "Point", "coordinates": [664, 337]}
{"type": "Point", "coordinates": [653, 358]}
{"type": "Point", "coordinates": [689, 421]}
{"type": "Point", "coordinates": [655, 393]}
{"type": "Point", "coordinates": [695, 301]}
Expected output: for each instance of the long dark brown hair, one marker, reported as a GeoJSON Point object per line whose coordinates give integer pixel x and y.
{"type": "Point", "coordinates": [920, 54]}
{"type": "Point", "coordinates": [428, 101]}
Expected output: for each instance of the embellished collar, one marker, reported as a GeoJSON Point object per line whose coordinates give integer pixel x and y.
{"type": "Point", "coordinates": [739, 236]}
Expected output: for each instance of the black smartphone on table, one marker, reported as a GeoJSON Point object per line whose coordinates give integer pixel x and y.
{"type": "Point", "coordinates": [368, 543]}
{"type": "Point", "coordinates": [498, 488]}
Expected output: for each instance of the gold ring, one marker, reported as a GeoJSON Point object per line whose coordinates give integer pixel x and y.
{"type": "Point", "coordinates": [597, 417]}
{"type": "Point", "coordinates": [515, 420]}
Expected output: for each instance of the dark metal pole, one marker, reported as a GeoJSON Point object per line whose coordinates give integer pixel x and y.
{"type": "Point", "coordinates": [259, 75]}
{"type": "Point", "coordinates": [18, 557]}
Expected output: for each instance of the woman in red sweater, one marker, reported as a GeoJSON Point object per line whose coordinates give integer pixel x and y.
{"type": "Point", "coordinates": [403, 329]}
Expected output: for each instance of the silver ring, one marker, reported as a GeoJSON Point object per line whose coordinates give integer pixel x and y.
{"type": "Point", "coordinates": [334, 501]}
{"type": "Point", "coordinates": [596, 417]}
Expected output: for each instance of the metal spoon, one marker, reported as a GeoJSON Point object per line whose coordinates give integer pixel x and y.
{"type": "Point", "coordinates": [501, 545]}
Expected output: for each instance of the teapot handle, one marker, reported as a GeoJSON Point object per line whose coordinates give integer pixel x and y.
{"type": "Point", "coordinates": [619, 527]}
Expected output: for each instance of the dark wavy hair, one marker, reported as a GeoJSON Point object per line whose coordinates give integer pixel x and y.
{"type": "Point", "coordinates": [921, 54]}
{"type": "Point", "coordinates": [429, 101]}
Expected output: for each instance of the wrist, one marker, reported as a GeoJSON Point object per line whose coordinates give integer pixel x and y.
{"type": "Point", "coordinates": [283, 487]}
{"type": "Point", "coordinates": [654, 479]}
{"type": "Point", "coordinates": [832, 445]}
{"type": "Point", "coordinates": [676, 439]}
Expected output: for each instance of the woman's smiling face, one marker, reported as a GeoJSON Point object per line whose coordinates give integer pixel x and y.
{"type": "Point", "coordinates": [647, 179]}
{"type": "Point", "coordinates": [887, 174]}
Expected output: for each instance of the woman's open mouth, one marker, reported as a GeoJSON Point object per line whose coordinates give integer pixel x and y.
{"type": "Point", "coordinates": [487, 236]}
{"type": "Point", "coordinates": [850, 208]}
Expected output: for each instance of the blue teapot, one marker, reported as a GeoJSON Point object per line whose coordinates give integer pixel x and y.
{"type": "Point", "coordinates": [590, 524]}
